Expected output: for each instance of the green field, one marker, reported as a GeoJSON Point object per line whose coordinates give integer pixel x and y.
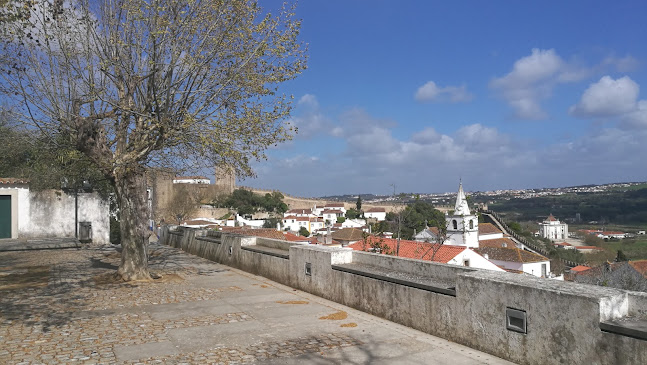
{"type": "Point", "coordinates": [634, 249]}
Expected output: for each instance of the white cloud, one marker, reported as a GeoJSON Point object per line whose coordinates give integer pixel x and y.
{"type": "Point", "coordinates": [309, 120]}
{"type": "Point", "coordinates": [532, 79]}
{"type": "Point", "coordinates": [430, 92]}
{"type": "Point", "coordinates": [426, 136]}
{"type": "Point", "coordinates": [608, 98]}
{"type": "Point", "coordinates": [622, 64]}
{"type": "Point", "coordinates": [309, 100]}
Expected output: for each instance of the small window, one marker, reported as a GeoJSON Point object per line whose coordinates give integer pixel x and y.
{"type": "Point", "coordinates": [308, 269]}
{"type": "Point", "coordinates": [471, 224]}
{"type": "Point", "coordinates": [466, 263]}
{"type": "Point", "coordinates": [455, 224]}
{"type": "Point", "coordinates": [231, 250]}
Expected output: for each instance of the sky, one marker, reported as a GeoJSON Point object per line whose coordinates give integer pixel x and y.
{"type": "Point", "coordinates": [501, 94]}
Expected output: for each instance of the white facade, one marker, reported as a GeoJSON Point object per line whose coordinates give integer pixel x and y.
{"type": "Point", "coordinates": [191, 180]}
{"type": "Point", "coordinates": [51, 213]}
{"type": "Point", "coordinates": [553, 229]}
{"type": "Point", "coordinates": [462, 226]}
{"type": "Point", "coordinates": [257, 223]}
{"type": "Point", "coordinates": [470, 258]}
{"type": "Point", "coordinates": [377, 213]}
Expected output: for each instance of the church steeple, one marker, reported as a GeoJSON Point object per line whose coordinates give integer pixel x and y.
{"type": "Point", "coordinates": [461, 207]}
{"type": "Point", "coordinates": [462, 226]}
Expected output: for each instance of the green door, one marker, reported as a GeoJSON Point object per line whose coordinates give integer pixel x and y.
{"type": "Point", "coordinates": [5, 216]}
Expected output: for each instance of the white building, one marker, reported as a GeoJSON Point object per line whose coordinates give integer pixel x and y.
{"type": "Point", "coordinates": [294, 223]}
{"type": "Point", "coordinates": [191, 180]}
{"type": "Point", "coordinates": [377, 213]}
{"type": "Point", "coordinates": [51, 213]}
{"type": "Point", "coordinates": [553, 229]}
{"type": "Point", "coordinates": [462, 225]}
{"type": "Point", "coordinates": [517, 260]}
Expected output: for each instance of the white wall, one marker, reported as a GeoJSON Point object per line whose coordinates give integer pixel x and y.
{"type": "Point", "coordinates": [50, 213]}
{"type": "Point", "coordinates": [475, 259]}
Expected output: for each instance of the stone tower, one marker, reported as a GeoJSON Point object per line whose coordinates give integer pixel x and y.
{"type": "Point", "coordinates": [225, 179]}
{"type": "Point", "coordinates": [462, 226]}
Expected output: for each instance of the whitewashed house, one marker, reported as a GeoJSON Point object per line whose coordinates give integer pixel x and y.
{"type": "Point", "coordinates": [26, 214]}
{"type": "Point", "coordinates": [376, 213]}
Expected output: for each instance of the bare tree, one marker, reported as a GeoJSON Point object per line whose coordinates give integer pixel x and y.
{"type": "Point", "coordinates": [185, 201]}
{"type": "Point", "coordinates": [167, 83]}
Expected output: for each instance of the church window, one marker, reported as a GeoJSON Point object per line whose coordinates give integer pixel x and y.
{"type": "Point", "coordinates": [455, 224]}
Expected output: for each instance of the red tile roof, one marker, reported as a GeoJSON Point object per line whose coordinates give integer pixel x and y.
{"type": "Point", "coordinates": [488, 228]}
{"type": "Point", "coordinates": [294, 238]}
{"type": "Point", "coordinates": [510, 254]}
{"type": "Point", "coordinates": [348, 234]}
{"type": "Point", "coordinates": [504, 242]}
{"type": "Point", "coordinates": [580, 268]}
{"type": "Point", "coordinates": [13, 180]}
{"type": "Point", "coordinates": [551, 218]}
{"type": "Point", "coordinates": [334, 205]}
{"type": "Point", "coordinates": [640, 266]}
{"type": "Point", "coordinates": [412, 249]}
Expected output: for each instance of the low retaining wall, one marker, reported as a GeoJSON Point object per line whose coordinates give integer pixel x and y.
{"type": "Point", "coordinates": [523, 319]}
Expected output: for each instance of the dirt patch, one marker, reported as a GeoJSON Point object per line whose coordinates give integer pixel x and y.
{"type": "Point", "coordinates": [352, 324]}
{"type": "Point", "coordinates": [338, 316]}
{"type": "Point", "coordinates": [292, 301]}
{"type": "Point", "coordinates": [24, 277]}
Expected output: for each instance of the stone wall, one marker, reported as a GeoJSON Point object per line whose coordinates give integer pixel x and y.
{"type": "Point", "coordinates": [470, 306]}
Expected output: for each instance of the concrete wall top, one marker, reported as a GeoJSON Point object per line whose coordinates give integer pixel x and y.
{"type": "Point", "coordinates": [411, 266]}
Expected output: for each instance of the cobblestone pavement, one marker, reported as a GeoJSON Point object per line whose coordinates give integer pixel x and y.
{"type": "Point", "coordinates": [60, 307]}
{"type": "Point", "coordinates": [64, 307]}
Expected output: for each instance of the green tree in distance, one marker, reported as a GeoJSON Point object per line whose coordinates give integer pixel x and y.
{"type": "Point", "coordinates": [165, 83]}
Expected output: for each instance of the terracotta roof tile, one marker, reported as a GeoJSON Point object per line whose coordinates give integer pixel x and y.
{"type": "Point", "coordinates": [13, 180]}
{"type": "Point", "coordinates": [510, 254]}
{"type": "Point", "coordinates": [412, 249]}
{"type": "Point", "coordinates": [640, 266]}
{"type": "Point", "coordinates": [504, 242]}
{"type": "Point", "coordinates": [488, 228]}
{"type": "Point", "coordinates": [348, 234]}
{"type": "Point", "coordinates": [580, 268]}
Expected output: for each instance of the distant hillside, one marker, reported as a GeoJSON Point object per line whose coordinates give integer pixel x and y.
{"type": "Point", "coordinates": [619, 207]}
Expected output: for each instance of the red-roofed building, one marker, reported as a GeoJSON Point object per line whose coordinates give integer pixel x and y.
{"type": "Point", "coordinates": [375, 213]}
{"type": "Point", "coordinates": [454, 255]}
{"type": "Point", "coordinates": [628, 275]}
{"type": "Point", "coordinates": [488, 231]}
{"type": "Point", "coordinates": [517, 259]}
{"type": "Point", "coordinates": [564, 245]}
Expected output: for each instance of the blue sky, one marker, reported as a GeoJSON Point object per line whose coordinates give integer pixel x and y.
{"type": "Point", "coordinates": [502, 94]}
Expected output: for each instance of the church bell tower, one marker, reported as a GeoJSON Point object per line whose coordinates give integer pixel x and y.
{"type": "Point", "coordinates": [462, 225]}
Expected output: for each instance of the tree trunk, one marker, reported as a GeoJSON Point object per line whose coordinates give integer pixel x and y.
{"type": "Point", "coordinates": [133, 210]}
